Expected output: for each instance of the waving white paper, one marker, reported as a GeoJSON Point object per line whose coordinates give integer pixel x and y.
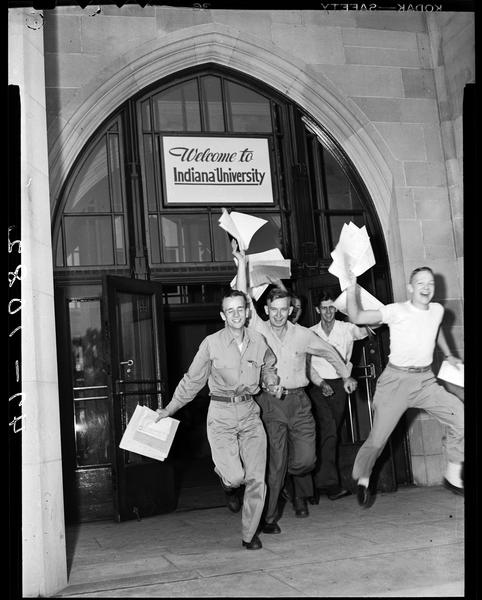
{"type": "Point", "coordinates": [262, 265]}
{"type": "Point", "coordinates": [242, 227]}
{"type": "Point", "coordinates": [353, 252]}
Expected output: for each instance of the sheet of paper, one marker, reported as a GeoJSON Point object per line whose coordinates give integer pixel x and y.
{"type": "Point", "coordinates": [241, 226]}
{"type": "Point", "coordinates": [352, 252]}
{"type": "Point", "coordinates": [144, 436]}
{"type": "Point", "coordinates": [264, 264]}
{"type": "Point", "coordinates": [452, 374]}
{"type": "Point", "coordinates": [258, 290]}
{"type": "Point", "coordinates": [368, 302]}
{"type": "Point", "coordinates": [267, 272]}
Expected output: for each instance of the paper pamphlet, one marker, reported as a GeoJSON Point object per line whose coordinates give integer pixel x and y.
{"type": "Point", "coordinates": [452, 374]}
{"type": "Point", "coordinates": [367, 301]}
{"type": "Point", "coordinates": [353, 252]}
{"type": "Point", "coordinates": [242, 227]}
{"type": "Point", "coordinates": [262, 265]}
{"type": "Point", "coordinates": [144, 436]}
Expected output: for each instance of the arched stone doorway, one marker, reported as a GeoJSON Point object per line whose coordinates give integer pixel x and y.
{"type": "Point", "coordinates": [113, 220]}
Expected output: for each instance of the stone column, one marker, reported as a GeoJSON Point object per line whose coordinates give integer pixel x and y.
{"type": "Point", "coordinates": [43, 527]}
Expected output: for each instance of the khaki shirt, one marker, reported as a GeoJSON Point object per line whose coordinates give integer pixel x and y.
{"type": "Point", "coordinates": [291, 352]}
{"type": "Point", "coordinates": [228, 370]}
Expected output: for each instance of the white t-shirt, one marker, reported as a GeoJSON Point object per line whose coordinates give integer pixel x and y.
{"type": "Point", "coordinates": [341, 337]}
{"type": "Point", "coordinates": [413, 332]}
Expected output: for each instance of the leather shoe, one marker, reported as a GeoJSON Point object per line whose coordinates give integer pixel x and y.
{"type": "Point", "coordinates": [254, 544]}
{"type": "Point", "coordinates": [453, 488]}
{"type": "Point", "coordinates": [233, 501]}
{"type": "Point", "coordinates": [341, 493]}
{"type": "Point", "coordinates": [271, 528]}
{"type": "Point", "coordinates": [301, 509]}
{"type": "Point", "coordinates": [315, 499]}
{"type": "Point", "coordinates": [364, 496]}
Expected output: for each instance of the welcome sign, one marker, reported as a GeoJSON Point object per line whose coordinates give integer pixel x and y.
{"type": "Point", "coordinates": [216, 170]}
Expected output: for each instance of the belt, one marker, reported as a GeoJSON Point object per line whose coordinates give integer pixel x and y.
{"type": "Point", "coordinates": [232, 399]}
{"type": "Point", "coordinates": [287, 391]}
{"type": "Point", "coordinates": [410, 369]}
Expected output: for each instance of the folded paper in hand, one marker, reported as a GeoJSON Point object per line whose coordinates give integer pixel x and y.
{"type": "Point", "coordinates": [242, 227]}
{"type": "Point", "coordinates": [452, 374]}
{"type": "Point", "coordinates": [264, 267]}
{"type": "Point", "coordinates": [367, 301]}
{"type": "Point", "coordinates": [144, 436]}
{"type": "Point", "coordinates": [353, 252]}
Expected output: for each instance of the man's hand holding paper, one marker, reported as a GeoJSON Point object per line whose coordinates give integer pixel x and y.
{"type": "Point", "coordinates": [352, 253]}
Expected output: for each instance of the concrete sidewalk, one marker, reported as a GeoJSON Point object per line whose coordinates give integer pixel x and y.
{"type": "Point", "coordinates": [409, 543]}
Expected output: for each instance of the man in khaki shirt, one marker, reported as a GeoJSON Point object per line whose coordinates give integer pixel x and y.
{"type": "Point", "coordinates": [288, 420]}
{"type": "Point", "coordinates": [233, 361]}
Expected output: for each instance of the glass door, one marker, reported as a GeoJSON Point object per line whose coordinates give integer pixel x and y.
{"type": "Point", "coordinates": [142, 486]}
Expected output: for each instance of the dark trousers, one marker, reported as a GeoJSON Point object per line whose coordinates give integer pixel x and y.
{"type": "Point", "coordinates": [329, 412]}
{"type": "Point", "coordinates": [290, 428]}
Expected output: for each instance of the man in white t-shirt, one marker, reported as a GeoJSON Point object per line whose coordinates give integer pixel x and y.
{"type": "Point", "coordinates": [408, 380]}
{"type": "Point", "coordinates": [328, 395]}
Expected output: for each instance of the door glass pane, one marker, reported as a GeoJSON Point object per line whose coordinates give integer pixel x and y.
{"type": "Point", "coordinates": [249, 110]}
{"type": "Point", "coordinates": [177, 108]}
{"type": "Point", "coordinates": [341, 194]}
{"type": "Point", "coordinates": [136, 341]}
{"type": "Point", "coordinates": [92, 432]}
{"type": "Point", "coordinates": [88, 241]}
{"type": "Point", "coordinates": [90, 191]}
{"type": "Point", "coordinates": [136, 329]}
{"type": "Point", "coordinates": [213, 103]}
{"type": "Point", "coordinates": [89, 378]}
{"type": "Point", "coordinates": [87, 345]}
{"type": "Point", "coordinates": [185, 238]}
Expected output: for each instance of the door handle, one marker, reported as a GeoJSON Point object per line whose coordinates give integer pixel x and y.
{"type": "Point", "coordinates": [371, 371]}
{"type": "Point", "coordinates": [127, 363]}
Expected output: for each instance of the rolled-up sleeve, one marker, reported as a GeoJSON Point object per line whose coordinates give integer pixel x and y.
{"type": "Point", "coordinates": [269, 375]}
{"type": "Point", "coordinates": [194, 380]}
{"type": "Point", "coordinates": [319, 347]}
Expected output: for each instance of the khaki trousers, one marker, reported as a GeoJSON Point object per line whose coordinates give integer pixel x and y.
{"type": "Point", "coordinates": [238, 446]}
{"type": "Point", "coordinates": [398, 390]}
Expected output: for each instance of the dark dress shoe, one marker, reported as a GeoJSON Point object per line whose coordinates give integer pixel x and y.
{"type": "Point", "coordinates": [254, 544]}
{"type": "Point", "coordinates": [271, 528]}
{"type": "Point", "coordinates": [301, 509]}
{"type": "Point", "coordinates": [315, 499]}
{"type": "Point", "coordinates": [336, 495]}
{"type": "Point", "coordinates": [364, 496]}
{"type": "Point", "coordinates": [453, 488]}
{"type": "Point", "coordinates": [233, 501]}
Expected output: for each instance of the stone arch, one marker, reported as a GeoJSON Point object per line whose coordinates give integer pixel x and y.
{"type": "Point", "coordinates": [214, 43]}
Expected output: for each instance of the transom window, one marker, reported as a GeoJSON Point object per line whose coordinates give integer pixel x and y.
{"type": "Point", "coordinates": [92, 229]}
{"type": "Point", "coordinates": [114, 200]}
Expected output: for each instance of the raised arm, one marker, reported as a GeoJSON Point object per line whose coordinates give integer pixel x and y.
{"type": "Point", "coordinates": [355, 313]}
{"type": "Point", "coordinates": [241, 262]}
